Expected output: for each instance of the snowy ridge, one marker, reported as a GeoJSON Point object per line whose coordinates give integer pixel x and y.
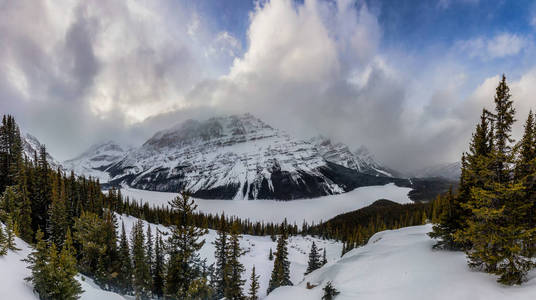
{"type": "Point", "coordinates": [96, 160]}
{"type": "Point", "coordinates": [360, 160]}
{"type": "Point", "coordinates": [31, 146]}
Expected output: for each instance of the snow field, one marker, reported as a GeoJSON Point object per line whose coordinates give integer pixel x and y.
{"type": "Point", "coordinates": [400, 264]}
{"type": "Point", "coordinates": [295, 211]}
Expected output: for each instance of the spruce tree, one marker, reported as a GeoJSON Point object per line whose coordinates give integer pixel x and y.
{"type": "Point", "coordinates": [329, 291]}
{"type": "Point", "coordinates": [314, 260]}
{"type": "Point", "coordinates": [270, 255]}
{"type": "Point", "coordinates": [253, 286]}
{"type": "Point", "coordinates": [497, 229]}
{"type": "Point", "coordinates": [220, 245]}
{"type": "Point", "coordinates": [158, 272]}
{"type": "Point", "coordinates": [66, 287]}
{"type": "Point", "coordinates": [184, 264]}
{"type": "Point", "coordinates": [58, 222]}
{"type": "Point", "coordinates": [125, 272]}
{"type": "Point", "coordinates": [3, 244]}
{"type": "Point", "coordinates": [142, 277]}
{"type": "Point", "coordinates": [234, 269]}
{"type": "Point", "coordinates": [324, 259]}
{"type": "Point", "coordinates": [281, 272]}
{"type": "Point", "coordinates": [10, 235]}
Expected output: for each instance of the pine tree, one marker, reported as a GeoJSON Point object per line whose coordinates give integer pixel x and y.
{"type": "Point", "coordinates": [149, 249]}
{"type": "Point", "coordinates": [270, 255]}
{"type": "Point", "coordinates": [221, 263]}
{"type": "Point", "coordinates": [125, 272]}
{"type": "Point", "coordinates": [37, 263]}
{"type": "Point", "coordinates": [329, 291]}
{"type": "Point", "coordinates": [10, 235]}
{"type": "Point", "coordinates": [324, 259]}
{"type": "Point", "coordinates": [281, 272]}
{"type": "Point", "coordinates": [142, 276]}
{"type": "Point", "coordinates": [253, 286]}
{"type": "Point", "coordinates": [497, 229]}
{"type": "Point", "coordinates": [184, 265]}
{"type": "Point", "coordinates": [3, 244]}
{"type": "Point", "coordinates": [233, 268]}
{"type": "Point", "coordinates": [67, 287]}
{"type": "Point", "coordinates": [314, 260]}
{"type": "Point", "coordinates": [58, 223]}
{"type": "Point", "coordinates": [158, 272]}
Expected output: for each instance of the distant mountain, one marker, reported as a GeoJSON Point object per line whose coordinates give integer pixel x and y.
{"type": "Point", "coordinates": [360, 160]}
{"type": "Point", "coordinates": [233, 157]}
{"type": "Point", "coordinates": [32, 146]}
{"type": "Point", "coordinates": [450, 171]}
{"type": "Point", "coordinates": [96, 160]}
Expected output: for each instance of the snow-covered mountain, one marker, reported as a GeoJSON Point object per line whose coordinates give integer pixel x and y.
{"type": "Point", "coordinates": [360, 160]}
{"type": "Point", "coordinates": [238, 157]}
{"type": "Point", "coordinates": [31, 146]}
{"type": "Point", "coordinates": [96, 160]}
{"type": "Point", "coordinates": [450, 171]}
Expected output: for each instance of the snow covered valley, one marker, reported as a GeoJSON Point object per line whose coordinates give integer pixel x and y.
{"type": "Point", "coordinates": [310, 210]}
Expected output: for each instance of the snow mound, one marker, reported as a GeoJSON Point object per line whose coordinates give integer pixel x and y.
{"type": "Point", "coordinates": [400, 264]}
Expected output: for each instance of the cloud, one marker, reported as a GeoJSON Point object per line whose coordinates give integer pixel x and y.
{"type": "Point", "coordinates": [87, 71]}
{"type": "Point", "coordinates": [499, 46]}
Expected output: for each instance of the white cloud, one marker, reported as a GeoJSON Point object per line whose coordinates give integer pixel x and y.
{"type": "Point", "coordinates": [501, 45]}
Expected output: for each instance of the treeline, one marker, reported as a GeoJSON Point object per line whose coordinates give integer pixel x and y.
{"type": "Point", "coordinates": [492, 215]}
{"type": "Point", "coordinates": [355, 228]}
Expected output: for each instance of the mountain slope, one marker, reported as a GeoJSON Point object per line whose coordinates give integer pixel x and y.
{"type": "Point", "coordinates": [31, 146]}
{"type": "Point", "coordinates": [235, 157]}
{"type": "Point", "coordinates": [96, 160]}
{"type": "Point", "coordinates": [400, 264]}
{"type": "Point", "coordinates": [360, 160]}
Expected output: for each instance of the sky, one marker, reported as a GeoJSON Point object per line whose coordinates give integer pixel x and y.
{"type": "Point", "coordinates": [407, 79]}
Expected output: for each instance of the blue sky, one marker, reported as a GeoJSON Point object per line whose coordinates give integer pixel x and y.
{"type": "Point", "coordinates": [405, 78]}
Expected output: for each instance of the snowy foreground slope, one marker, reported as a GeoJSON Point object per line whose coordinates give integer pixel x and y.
{"type": "Point", "coordinates": [310, 210]}
{"type": "Point", "coordinates": [400, 264]}
{"type": "Point", "coordinates": [13, 270]}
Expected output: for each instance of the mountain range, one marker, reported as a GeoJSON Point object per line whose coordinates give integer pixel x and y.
{"type": "Point", "coordinates": [233, 157]}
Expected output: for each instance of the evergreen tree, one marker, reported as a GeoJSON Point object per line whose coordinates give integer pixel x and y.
{"type": "Point", "coordinates": [67, 287]}
{"type": "Point", "coordinates": [324, 259]}
{"type": "Point", "coordinates": [270, 255]}
{"type": "Point", "coordinates": [314, 260]}
{"type": "Point", "coordinates": [253, 286]}
{"type": "Point", "coordinates": [281, 272]}
{"type": "Point", "coordinates": [142, 276]}
{"type": "Point", "coordinates": [158, 272]}
{"type": "Point", "coordinates": [38, 264]}
{"type": "Point", "coordinates": [497, 229]}
{"type": "Point", "coordinates": [149, 249]}
{"type": "Point", "coordinates": [10, 235]}
{"type": "Point", "coordinates": [329, 291]}
{"type": "Point", "coordinates": [220, 254]}
{"type": "Point", "coordinates": [125, 272]}
{"type": "Point", "coordinates": [57, 225]}
{"type": "Point", "coordinates": [3, 244]}
{"type": "Point", "coordinates": [234, 269]}
{"type": "Point", "coordinates": [184, 265]}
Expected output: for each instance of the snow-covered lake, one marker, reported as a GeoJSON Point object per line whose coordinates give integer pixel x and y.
{"type": "Point", "coordinates": [316, 209]}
